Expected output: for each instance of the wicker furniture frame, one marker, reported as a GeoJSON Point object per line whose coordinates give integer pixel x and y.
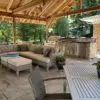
{"type": "Point", "coordinates": [38, 87]}
{"type": "Point", "coordinates": [15, 68]}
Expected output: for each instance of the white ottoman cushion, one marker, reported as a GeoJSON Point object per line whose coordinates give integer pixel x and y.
{"type": "Point", "coordinates": [19, 61]}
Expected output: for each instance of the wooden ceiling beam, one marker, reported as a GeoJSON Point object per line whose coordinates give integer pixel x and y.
{"type": "Point", "coordinates": [8, 14]}
{"type": "Point", "coordinates": [9, 4]}
{"type": "Point", "coordinates": [29, 13]}
{"type": "Point", "coordinates": [3, 18]}
{"type": "Point", "coordinates": [46, 7]}
{"type": "Point", "coordinates": [68, 5]}
{"type": "Point", "coordinates": [65, 7]}
{"type": "Point", "coordinates": [8, 7]}
{"type": "Point", "coordinates": [60, 6]}
{"type": "Point", "coordinates": [44, 2]}
{"type": "Point", "coordinates": [50, 21]}
{"type": "Point", "coordinates": [28, 5]}
{"type": "Point", "coordinates": [89, 9]}
{"type": "Point", "coordinates": [20, 2]}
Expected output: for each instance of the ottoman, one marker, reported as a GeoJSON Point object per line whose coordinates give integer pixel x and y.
{"type": "Point", "coordinates": [17, 63]}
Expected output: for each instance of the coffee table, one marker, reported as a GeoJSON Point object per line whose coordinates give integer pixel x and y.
{"type": "Point", "coordinates": [16, 63]}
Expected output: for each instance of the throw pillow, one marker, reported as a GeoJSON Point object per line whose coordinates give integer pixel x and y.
{"type": "Point", "coordinates": [38, 49]}
{"type": "Point", "coordinates": [47, 52]}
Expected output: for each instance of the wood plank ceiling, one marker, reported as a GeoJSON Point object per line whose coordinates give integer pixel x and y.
{"type": "Point", "coordinates": [33, 11]}
{"type": "Point", "coordinates": [38, 11]}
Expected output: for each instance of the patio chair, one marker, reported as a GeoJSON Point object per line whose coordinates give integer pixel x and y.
{"type": "Point", "coordinates": [38, 87]}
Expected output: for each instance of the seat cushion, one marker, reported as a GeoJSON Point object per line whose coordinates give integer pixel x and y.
{"type": "Point", "coordinates": [19, 61]}
{"type": "Point", "coordinates": [37, 57]}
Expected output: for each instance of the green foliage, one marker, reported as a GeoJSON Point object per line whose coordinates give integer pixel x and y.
{"type": "Point", "coordinates": [5, 32]}
{"type": "Point", "coordinates": [76, 28]}
{"type": "Point", "coordinates": [97, 64]}
{"type": "Point", "coordinates": [80, 28]}
{"type": "Point", "coordinates": [27, 32]}
{"type": "Point", "coordinates": [61, 27]}
{"type": "Point", "coordinates": [90, 3]}
{"type": "Point", "coordinates": [60, 58]}
{"type": "Point", "coordinates": [23, 31]}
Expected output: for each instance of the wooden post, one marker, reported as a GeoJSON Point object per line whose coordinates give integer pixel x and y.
{"type": "Point", "coordinates": [14, 30]}
{"type": "Point", "coordinates": [48, 25]}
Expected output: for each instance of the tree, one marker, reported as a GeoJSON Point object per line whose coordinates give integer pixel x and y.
{"type": "Point", "coordinates": [23, 31]}
{"type": "Point", "coordinates": [80, 28]}
{"type": "Point", "coordinates": [5, 32]}
{"type": "Point", "coordinates": [77, 28]}
{"type": "Point", "coordinates": [28, 32]}
{"type": "Point", "coordinates": [61, 27]}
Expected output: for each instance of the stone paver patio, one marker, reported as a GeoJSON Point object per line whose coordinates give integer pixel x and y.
{"type": "Point", "coordinates": [18, 88]}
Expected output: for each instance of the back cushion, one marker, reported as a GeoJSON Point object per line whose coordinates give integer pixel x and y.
{"type": "Point", "coordinates": [13, 47]}
{"type": "Point", "coordinates": [23, 47]}
{"type": "Point", "coordinates": [4, 48]}
{"type": "Point", "coordinates": [37, 48]}
{"type": "Point", "coordinates": [46, 52]}
{"type": "Point", "coordinates": [8, 48]}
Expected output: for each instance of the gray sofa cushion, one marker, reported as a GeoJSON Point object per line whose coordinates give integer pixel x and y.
{"type": "Point", "coordinates": [36, 57]}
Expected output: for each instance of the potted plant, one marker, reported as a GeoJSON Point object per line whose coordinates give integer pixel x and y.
{"type": "Point", "coordinates": [98, 68]}
{"type": "Point", "coordinates": [60, 61]}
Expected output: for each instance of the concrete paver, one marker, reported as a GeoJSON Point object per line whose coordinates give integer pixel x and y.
{"type": "Point", "coordinates": [18, 88]}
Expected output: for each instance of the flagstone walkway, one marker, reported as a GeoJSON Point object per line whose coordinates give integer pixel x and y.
{"type": "Point", "coordinates": [18, 88]}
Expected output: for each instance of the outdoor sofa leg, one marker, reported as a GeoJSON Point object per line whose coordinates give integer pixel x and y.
{"type": "Point", "coordinates": [64, 86]}
{"type": "Point", "coordinates": [47, 68]}
{"type": "Point", "coordinates": [17, 73]}
{"type": "Point", "coordinates": [1, 65]}
{"type": "Point", "coordinates": [30, 68]}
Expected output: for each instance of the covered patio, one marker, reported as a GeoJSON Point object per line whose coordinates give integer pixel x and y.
{"type": "Point", "coordinates": [13, 57]}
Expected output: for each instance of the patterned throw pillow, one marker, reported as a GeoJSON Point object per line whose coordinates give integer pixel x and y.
{"type": "Point", "coordinates": [47, 52]}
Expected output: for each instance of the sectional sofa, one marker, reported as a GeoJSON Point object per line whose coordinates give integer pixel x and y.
{"type": "Point", "coordinates": [40, 54]}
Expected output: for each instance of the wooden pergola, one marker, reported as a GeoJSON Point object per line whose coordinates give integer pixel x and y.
{"type": "Point", "coordinates": [38, 11]}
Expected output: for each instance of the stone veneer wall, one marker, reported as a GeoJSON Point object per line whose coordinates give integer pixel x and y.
{"type": "Point", "coordinates": [81, 49]}
{"type": "Point", "coordinates": [96, 34]}
{"type": "Point", "coordinates": [8, 48]}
